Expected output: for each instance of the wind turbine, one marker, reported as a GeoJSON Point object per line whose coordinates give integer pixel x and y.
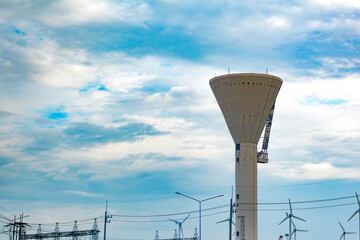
{"type": "Point", "coordinates": [230, 222]}
{"type": "Point", "coordinates": [290, 216]}
{"type": "Point", "coordinates": [357, 211]}
{"type": "Point", "coordinates": [344, 233]}
{"type": "Point", "coordinates": [180, 225]}
{"type": "Point", "coordinates": [296, 230]}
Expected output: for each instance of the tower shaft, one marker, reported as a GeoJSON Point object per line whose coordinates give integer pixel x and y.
{"type": "Point", "coordinates": [246, 191]}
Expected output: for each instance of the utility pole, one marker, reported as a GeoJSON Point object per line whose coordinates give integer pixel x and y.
{"type": "Point", "coordinates": [20, 228]}
{"type": "Point", "coordinates": [13, 226]}
{"type": "Point", "coordinates": [106, 220]}
{"type": "Point", "coordinates": [231, 213]}
{"type": "Point", "coordinates": [231, 221]}
{"type": "Point", "coordinates": [17, 228]}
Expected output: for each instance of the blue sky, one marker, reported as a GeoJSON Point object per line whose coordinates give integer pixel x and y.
{"type": "Point", "coordinates": [109, 100]}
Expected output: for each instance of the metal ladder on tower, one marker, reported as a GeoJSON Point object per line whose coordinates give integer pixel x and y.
{"type": "Point", "coordinates": [262, 156]}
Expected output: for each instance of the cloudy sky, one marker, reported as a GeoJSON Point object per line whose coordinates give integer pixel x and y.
{"type": "Point", "coordinates": [109, 100]}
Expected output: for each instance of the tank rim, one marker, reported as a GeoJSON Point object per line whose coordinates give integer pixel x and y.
{"type": "Point", "coordinates": [245, 75]}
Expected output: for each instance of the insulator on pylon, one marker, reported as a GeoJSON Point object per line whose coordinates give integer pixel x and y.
{"type": "Point", "coordinates": [157, 236]}
{"type": "Point", "coordinates": [196, 234]}
{"type": "Point", "coordinates": [175, 235]}
{"type": "Point", "coordinates": [39, 229]}
{"type": "Point", "coordinates": [75, 232]}
{"type": "Point", "coordinates": [39, 232]}
{"type": "Point", "coordinates": [57, 232]}
{"type": "Point", "coordinates": [95, 229]}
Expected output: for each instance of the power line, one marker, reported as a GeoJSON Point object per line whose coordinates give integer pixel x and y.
{"type": "Point", "coordinates": [304, 184]}
{"type": "Point", "coordinates": [80, 222]}
{"type": "Point", "coordinates": [4, 217]}
{"type": "Point", "coordinates": [169, 214]}
{"type": "Point", "coordinates": [217, 213]}
{"type": "Point", "coordinates": [229, 187]}
{"type": "Point", "coordinates": [304, 208]}
{"type": "Point", "coordinates": [167, 220]}
{"type": "Point", "coordinates": [222, 206]}
{"type": "Point", "coordinates": [207, 209]}
{"type": "Point", "coordinates": [84, 221]}
{"type": "Point", "coordinates": [302, 202]}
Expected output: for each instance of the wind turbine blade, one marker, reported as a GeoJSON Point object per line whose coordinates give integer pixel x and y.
{"type": "Point", "coordinates": [342, 227]}
{"type": "Point", "coordinates": [298, 230]}
{"type": "Point", "coordinates": [353, 215]}
{"type": "Point", "coordinates": [182, 231]}
{"type": "Point", "coordinates": [350, 232]}
{"type": "Point", "coordinates": [342, 236]}
{"type": "Point", "coordinates": [186, 218]}
{"type": "Point", "coordinates": [299, 218]}
{"type": "Point", "coordinates": [173, 221]}
{"type": "Point", "coordinates": [284, 219]}
{"type": "Point", "coordinates": [293, 223]}
{"type": "Point", "coordinates": [223, 221]}
{"type": "Point", "coordinates": [290, 206]}
{"type": "Point", "coordinates": [233, 223]}
{"type": "Point", "coordinates": [357, 197]}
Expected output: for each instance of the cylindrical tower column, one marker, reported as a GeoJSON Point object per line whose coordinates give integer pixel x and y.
{"type": "Point", "coordinates": [246, 100]}
{"type": "Point", "coordinates": [246, 191]}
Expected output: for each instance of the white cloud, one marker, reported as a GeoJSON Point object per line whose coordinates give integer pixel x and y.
{"type": "Point", "coordinates": [59, 67]}
{"type": "Point", "coordinates": [193, 147]}
{"type": "Point", "coordinates": [176, 93]}
{"type": "Point", "coordinates": [82, 193]}
{"type": "Point", "coordinates": [195, 138]}
{"type": "Point", "coordinates": [277, 22]}
{"type": "Point", "coordinates": [340, 63]}
{"type": "Point", "coordinates": [345, 24]}
{"type": "Point", "coordinates": [5, 62]}
{"type": "Point", "coordinates": [309, 171]}
{"type": "Point", "coordinates": [292, 104]}
{"type": "Point", "coordinates": [124, 81]}
{"type": "Point", "coordinates": [69, 12]}
{"type": "Point", "coordinates": [336, 4]}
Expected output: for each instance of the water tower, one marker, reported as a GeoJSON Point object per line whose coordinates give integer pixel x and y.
{"type": "Point", "coordinates": [247, 103]}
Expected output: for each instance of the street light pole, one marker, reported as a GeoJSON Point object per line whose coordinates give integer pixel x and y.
{"type": "Point", "coordinates": [199, 201]}
{"type": "Point", "coordinates": [199, 220]}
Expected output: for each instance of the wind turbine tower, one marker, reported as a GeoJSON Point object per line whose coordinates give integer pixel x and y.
{"type": "Point", "coordinates": [290, 216]}
{"type": "Point", "coordinates": [247, 103]}
{"type": "Point", "coordinates": [296, 230]}
{"type": "Point", "coordinates": [357, 212]}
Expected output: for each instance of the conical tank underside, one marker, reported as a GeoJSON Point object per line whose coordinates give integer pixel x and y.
{"type": "Point", "coordinates": [245, 100]}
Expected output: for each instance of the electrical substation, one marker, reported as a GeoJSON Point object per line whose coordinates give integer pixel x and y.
{"type": "Point", "coordinates": [17, 231]}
